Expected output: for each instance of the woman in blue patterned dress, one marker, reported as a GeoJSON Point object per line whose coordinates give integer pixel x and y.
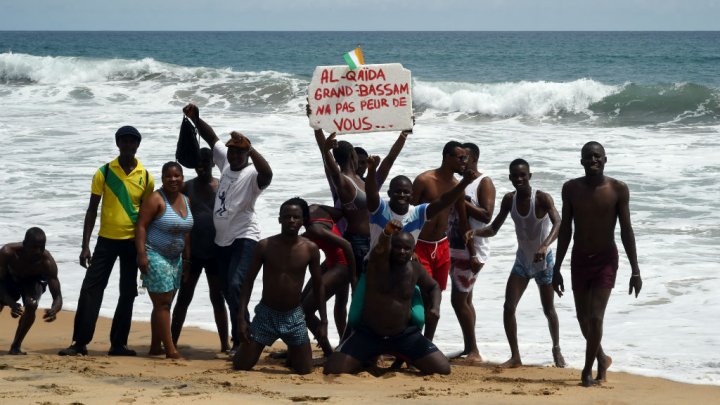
{"type": "Point", "coordinates": [162, 238]}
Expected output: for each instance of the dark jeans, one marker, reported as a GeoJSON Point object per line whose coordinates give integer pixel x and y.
{"type": "Point", "coordinates": [93, 288]}
{"type": "Point", "coordinates": [233, 264]}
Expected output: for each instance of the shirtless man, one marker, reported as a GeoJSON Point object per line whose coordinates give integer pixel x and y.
{"type": "Point", "coordinates": [284, 258]}
{"type": "Point", "coordinates": [26, 268]}
{"type": "Point", "coordinates": [537, 223]}
{"type": "Point", "coordinates": [594, 203]}
{"type": "Point", "coordinates": [432, 248]}
{"type": "Point", "coordinates": [385, 325]}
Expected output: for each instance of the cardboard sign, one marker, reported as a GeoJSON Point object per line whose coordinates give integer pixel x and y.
{"type": "Point", "coordinates": [368, 99]}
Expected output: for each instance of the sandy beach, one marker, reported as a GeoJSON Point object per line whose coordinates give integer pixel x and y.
{"type": "Point", "coordinates": [43, 377]}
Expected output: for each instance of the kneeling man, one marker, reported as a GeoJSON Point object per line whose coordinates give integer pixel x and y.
{"type": "Point", "coordinates": [385, 326]}
{"type": "Point", "coordinates": [279, 314]}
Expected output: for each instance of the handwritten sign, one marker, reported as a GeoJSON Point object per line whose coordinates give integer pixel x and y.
{"type": "Point", "coordinates": [368, 99]}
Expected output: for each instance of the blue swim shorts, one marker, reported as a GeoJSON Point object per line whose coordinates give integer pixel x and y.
{"type": "Point", "coordinates": [543, 275]}
{"type": "Point", "coordinates": [269, 325]}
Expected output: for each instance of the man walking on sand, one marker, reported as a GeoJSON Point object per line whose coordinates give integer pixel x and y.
{"type": "Point", "coordinates": [593, 204]}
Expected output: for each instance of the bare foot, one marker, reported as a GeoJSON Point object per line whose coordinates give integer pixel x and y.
{"type": "Point", "coordinates": [474, 357]}
{"type": "Point", "coordinates": [558, 357]}
{"type": "Point", "coordinates": [175, 355]}
{"type": "Point", "coordinates": [512, 363]}
{"type": "Point", "coordinates": [156, 351]}
{"type": "Point", "coordinates": [16, 351]}
{"type": "Point", "coordinates": [586, 379]}
{"type": "Point", "coordinates": [604, 363]}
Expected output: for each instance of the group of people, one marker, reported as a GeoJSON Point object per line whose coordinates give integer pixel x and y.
{"type": "Point", "coordinates": [395, 255]}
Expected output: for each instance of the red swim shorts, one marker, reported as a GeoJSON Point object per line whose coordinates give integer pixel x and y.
{"type": "Point", "coordinates": [435, 257]}
{"type": "Point", "coordinates": [593, 270]}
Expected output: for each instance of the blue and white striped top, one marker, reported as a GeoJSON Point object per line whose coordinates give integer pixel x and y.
{"type": "Point", "coordinates": [166, 235]}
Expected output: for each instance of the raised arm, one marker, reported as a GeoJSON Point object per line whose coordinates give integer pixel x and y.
{"type": "Point", "coordinates": [320, 141]}
{"type": "Point", "coordinates": [448, 198]}
{"type": "Point", "coordinates": [628, 237]}
{"type": "Point", "coordinates": [265, 173]}
{"type": "Point", "coordinates": [204, 129]}
{"type": "Point", "coordinates": [486, 201]}
{"type": "Point", "coordinates": [344, 189]}
{"type": "Point", "coordinates": [371, 185]}
{"type": "Point", "coordinates": [383, 170]}
{"type": "Point", "coordinates": [380, 254]}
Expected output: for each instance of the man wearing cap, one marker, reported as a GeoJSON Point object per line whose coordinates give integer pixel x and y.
{"type": "Point", "coordinates": [122, 185]}
{"type": "Point", "coordinates": [237, 230]}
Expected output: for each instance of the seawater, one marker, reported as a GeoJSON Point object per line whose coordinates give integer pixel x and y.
{"type": "Point", "coordinates": [651, 98]}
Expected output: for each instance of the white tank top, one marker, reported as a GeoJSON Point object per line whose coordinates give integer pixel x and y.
{"type": "Point", "coordinates": [482, 245]}
{"type": "Point", "coordinates": [530, 231]}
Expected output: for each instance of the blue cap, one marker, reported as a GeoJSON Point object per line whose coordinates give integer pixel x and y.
{"type": "Point", "coordinates": [128, 130]}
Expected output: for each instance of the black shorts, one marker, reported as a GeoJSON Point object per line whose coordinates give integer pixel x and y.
{"type": "Point", "coordinates": [33, 288]}
{"type": "Point", "coordinates": [364, 344]}
{"type": "Point", "coordinates": [210, 265]}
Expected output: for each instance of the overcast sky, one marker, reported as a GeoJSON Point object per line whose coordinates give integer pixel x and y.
{"type": "Point", "coordinates": [360, 15]}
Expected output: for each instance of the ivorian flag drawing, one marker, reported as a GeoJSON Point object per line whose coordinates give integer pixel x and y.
{"type": "Point", "coordinates": [354, 58]}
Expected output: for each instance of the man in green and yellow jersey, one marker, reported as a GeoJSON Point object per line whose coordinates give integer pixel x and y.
{"type": "Point", "coordinates": [121, 185]}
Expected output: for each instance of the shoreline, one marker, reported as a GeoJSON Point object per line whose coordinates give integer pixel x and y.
{"type": "Point", "coordinates": [206, 377]}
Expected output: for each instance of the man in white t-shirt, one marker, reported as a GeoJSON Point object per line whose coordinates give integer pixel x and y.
{"type": "Point", "coordinates": [237, 230]}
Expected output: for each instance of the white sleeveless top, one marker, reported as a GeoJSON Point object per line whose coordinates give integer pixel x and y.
{"type": "Point", "coordinates": [530, 231]}
{"type": "Point", "coordinates": [482, 245]}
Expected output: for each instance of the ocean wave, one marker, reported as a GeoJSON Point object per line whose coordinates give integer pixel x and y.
{"type": "Point", "coordinates": [533, 99]}
{"type": "Point", "coordinates": [118, 80]}
{"type": "Point", "coordinates": [680, 103]}
{"type": "Point", "coordinates": [582, 99]}
{"type": "Point", "coordinates": [585, 100]}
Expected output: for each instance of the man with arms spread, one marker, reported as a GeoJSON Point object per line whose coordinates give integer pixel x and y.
{"type": "Point", "coordinates": [594, 203]}
{"type": "Point", "coordinates": [284, 258]}
{"type": "Point", "coordinates": [26, 268]}
{"type": "Point", "coordinates": [433, 249]}
{"type": "Point", "coordinates": [385, 325]}
{"type": "Point", "coordinates": [479, 203]}
{"type": "Point", "coordinates": [537, 223]}
{"type": "Point", "coordinates": [122, 185]}
{"type": "Point", "coordinates": [237, 229]}
{"type": "Point", "coordinates": [201, 192]}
